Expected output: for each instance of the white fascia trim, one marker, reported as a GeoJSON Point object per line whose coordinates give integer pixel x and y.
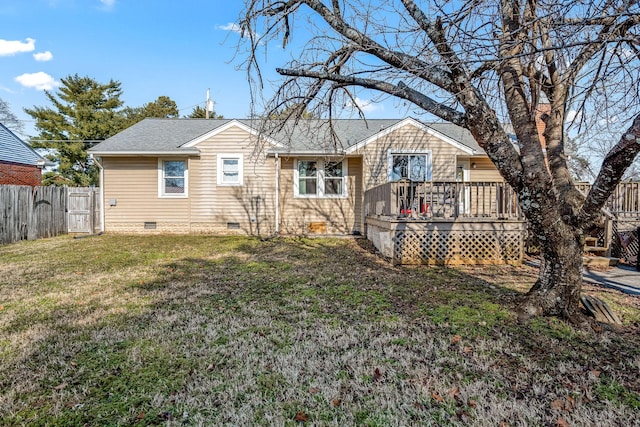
{"type": "Point", "coordinates": [413, 122]}
{"type": "Point", "coordinates": [181, 153]}
{"type": "Point", "coordinates": [227, 126]}
{"type": "Point", "coordinates": [308, 153]}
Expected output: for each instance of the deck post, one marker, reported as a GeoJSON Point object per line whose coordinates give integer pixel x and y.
{"type": "Point", "coordinates": [638, 255]}
{"type": "Point", "coordinates": [608, 236]}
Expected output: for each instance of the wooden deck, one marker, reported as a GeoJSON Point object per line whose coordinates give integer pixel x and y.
{"type": "Point", "coordinates": [467, 222]}
{"type": "Point", "coordinates": [445, 222]}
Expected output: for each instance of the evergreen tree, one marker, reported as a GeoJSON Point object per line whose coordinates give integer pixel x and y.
{"type": "Point", "coordinates": [163, 107]}
{"type": "Point", "coordinates": [84, 112]}
{"type": "Point", "coordinates": [200, 113]}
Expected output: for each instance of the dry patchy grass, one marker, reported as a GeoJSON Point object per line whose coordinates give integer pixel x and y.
{"type": "Point", "coordinates": [184, 330]}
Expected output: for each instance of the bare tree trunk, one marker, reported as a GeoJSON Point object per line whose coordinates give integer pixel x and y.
{"type": "Point", "coordinates": [557, 290]}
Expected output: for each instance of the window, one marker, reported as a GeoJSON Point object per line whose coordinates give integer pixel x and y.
{"type": "Point", "coordinates": [411, 166]}
{"type": "Point", "coordinates": [172, 178]}
{"type": "Point", "coordinates": [307, 178]}
{"type": "Point", "coordinates": [315, 178]}
{"type": "Point", "coordinates": [230, 169]}
{"type": "Point", "coordinates": [333, 179]}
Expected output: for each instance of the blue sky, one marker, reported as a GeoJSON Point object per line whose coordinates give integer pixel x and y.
{"type": "Point", "coordinates": [162, 47]}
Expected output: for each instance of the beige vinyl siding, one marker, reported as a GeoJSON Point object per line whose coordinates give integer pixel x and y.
{"type": "Point", "coordinates": [484, 171]}
{"type": "Point", "coordinates": [132, 182]}
{"type": "Point", "coordinates": [215, 206]}
{"type": "Point", "coordinates": [209, 208]}
{"type": "Point", "coordinates": [300, 215]}
{"type": "Point", "coordinates": [408, 138]}
{"type": "Point", "coordinates": [487, 198]}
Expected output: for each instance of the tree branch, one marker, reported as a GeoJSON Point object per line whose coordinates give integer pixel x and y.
{"type": "Point", "coordinates": [400, 90]}
{"type": "Point", "coordinates": [410, 64]}
{"type": "Point", "coordinates": [615, 163]}
{"type": "Point", "coordinates": [436, 34]}
{"type": "Point", "coordinates": [610, 32]}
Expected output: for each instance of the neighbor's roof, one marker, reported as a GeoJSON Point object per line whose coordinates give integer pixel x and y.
{"type": "Point", "coordinates": [176, 136]}
{"type": "Point", "coordinates": [14, 150]}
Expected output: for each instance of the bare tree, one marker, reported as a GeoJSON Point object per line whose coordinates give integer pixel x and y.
{"type": "Point", "coordinates": [9, 119]}
{"type": "Point", "coordinates": [588, 149]}
{"type": "Point", "coordinates": [483, 65]}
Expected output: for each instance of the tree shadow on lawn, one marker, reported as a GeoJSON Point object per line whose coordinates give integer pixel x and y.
{"type": "Point", "coordinates": [227, 326]}
{"type": "Point", "coordinates": [282, 285]}
{"type": "Point", "coordinates": [340, 279]}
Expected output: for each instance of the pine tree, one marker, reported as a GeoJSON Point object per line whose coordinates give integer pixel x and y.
{"type": "Point", "coordinates": [84, 112]}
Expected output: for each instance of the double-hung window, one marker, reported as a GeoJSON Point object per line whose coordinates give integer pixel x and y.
{"type": "Point", "coordinates": [172, 176]}
{"type": "Point", "coordinates": [411, 166]}
{"type": "Point", "coordinates": [318, 178]}
{"type": "Point", "coordinates": [307, 178]}
{"type": "Point", "coordinates": [230, 169]}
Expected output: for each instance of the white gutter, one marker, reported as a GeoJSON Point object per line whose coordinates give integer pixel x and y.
{"type": "Point", "coordinates": [277, 228]}
{"type": "Point", "coordinates": [102, 207]}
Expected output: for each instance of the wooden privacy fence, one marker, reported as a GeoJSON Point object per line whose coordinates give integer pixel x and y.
{"type": "Point", "coordinates": [29, 213]}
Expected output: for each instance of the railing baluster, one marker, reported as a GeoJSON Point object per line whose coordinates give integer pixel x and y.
{"type": "Point", "coordinates": [474, 199]}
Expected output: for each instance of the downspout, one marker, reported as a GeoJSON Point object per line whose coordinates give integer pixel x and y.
{"type": "Point", "coordinates": [277, 227]}
{"type": "Point", "coordinates": [102, 207]}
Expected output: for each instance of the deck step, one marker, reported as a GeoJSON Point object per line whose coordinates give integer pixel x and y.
{"type": "Point", "coordinates": [591, 241]}
{"type": "Point", "coordinates": [599, 261]}
{"type": "Point", "coordinates": [596, 249]}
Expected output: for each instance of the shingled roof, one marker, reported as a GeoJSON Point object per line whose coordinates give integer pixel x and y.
{"type": "Point", "coordinates": [176, 136]}
{"type": "Point", "coordinates": [14, 150]}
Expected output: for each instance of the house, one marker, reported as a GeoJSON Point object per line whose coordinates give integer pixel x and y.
{"type": "Point", "coordinates": [226, 176]}
{"type": "Point", "coordinates": [19, 163]}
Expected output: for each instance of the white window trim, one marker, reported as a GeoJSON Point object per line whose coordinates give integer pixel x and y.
{"type": "Point", "coordinates": [161, 193]}
{"type": "Point", "coordinates": [240, 158]}
{"type": "Point", "coordinates": [391, 153]}
{"type": "Point", "coordinates": [321, 179]}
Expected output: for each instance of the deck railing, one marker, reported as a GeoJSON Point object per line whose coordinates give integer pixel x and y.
{"type": "Point", "coordinates": [624, 202]}
{"type": "Point", "coordinates": [445, 199]}
{"type": "Point", "coordinates": [453, 199]}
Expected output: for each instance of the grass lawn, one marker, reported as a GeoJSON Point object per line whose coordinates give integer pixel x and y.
{"type": "Point", "coordinates": [196, 330]}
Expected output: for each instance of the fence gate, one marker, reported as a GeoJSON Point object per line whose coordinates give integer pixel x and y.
{"type": "Point", "coordinates": [82, 210]}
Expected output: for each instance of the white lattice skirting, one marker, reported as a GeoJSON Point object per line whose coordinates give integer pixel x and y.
{"type": "Point", "coordinates": [449, 243]}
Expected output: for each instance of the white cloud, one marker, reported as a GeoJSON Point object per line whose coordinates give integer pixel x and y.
{"type": "Point", "coordinates": [368, 106]}
{"type": "Point", "coordinates": [108, 4]}
{"type": "Point", "coordinates": [43, 56]}
{"type": "Point", "coordinates": [231, 26]}
{"type": "Point", "coordinates": [11, 47]}
{"type": "Point", "coordinates": [39, 81]}
{"type": "Point", "coordinates": [236, 28]}
{"type": "Point", "coordinates": [573, 115]}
